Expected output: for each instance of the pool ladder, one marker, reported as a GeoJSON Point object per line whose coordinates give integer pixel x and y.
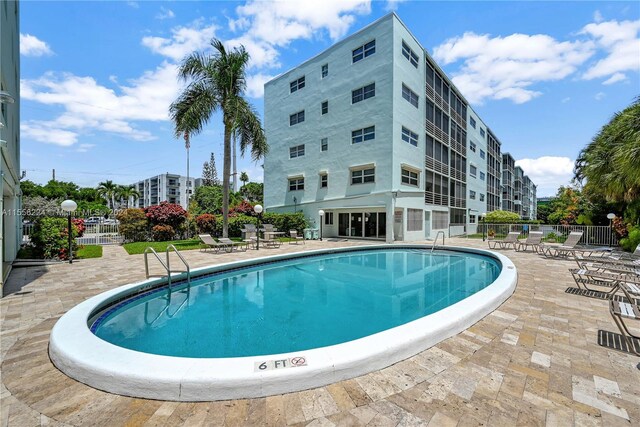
{"type": "Point", "coordinates": [436, 240]}
{"type": "Point", "coordinates": [166, 265]}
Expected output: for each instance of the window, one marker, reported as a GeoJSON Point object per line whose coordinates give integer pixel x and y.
{"type": "Point", "coordinates": [473, 170]}
{"type": "Point", "coordinates": [482, 154]}
{"type": "Point", "coordinates": [361, 176]}
{"type": "Point", "coordinates": [482, 132]}
{"type": "Point", "coordinates": [414, 219]}
{"type": "Point", "coordinates": [325, 70]}
{"type": "Point", "coordinates": [409, 136]}
{"type": "Point", "coordinates": [472, 194]}
{"type": "Point", "coordinates": [297, 151]}
{"type": "Point", "coordinates": [481, 197]}
{"type": "Point", "coordinates": [324, 180]}
{"type": "Point", "coordinates": [410, 95]}
{"type": "Point", "coordinates": [364, 134]}
{"type": "Point", "coordinates": [472, 146]}
{"type": "Point", "coordinates": [409, 177]}
{"type": "Point", "coordinates": [365, 92]}
{"type": "Point", "coordinates": [325, 107]}
{"type": "Point", "coordinates": [472, 122]}
{"type": "Point", "coordinates": [296, 184]}
{"type": "Point", "coordinates": [296, 118]}
{"type": "Point", "coordinates": [440, 220]}
{"type": "Point", "coordinates": [296, 84]}
{"type": "Point", "coordinates": [363, 51]}
{"type": "Point", "coordinates": [482, 176]}
{"type": "Point", "coordinates": [328, 218]}
{"type": "Point", "coordinates": [324, 144]}
{"type": "Point", "coordinates": [472, 219]}
{"type": "Point", "coordinates": [409, 54]}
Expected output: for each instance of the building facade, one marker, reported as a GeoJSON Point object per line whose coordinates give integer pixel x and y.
{"type": "Point", "coordinates": [11, 228]}
{"type": "Point", "coordinates": [166, 187]}
{"type": "Point", "coordinates": [373, 133]}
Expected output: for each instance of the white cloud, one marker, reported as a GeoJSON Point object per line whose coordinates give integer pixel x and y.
{"type": "Point", "coordinates": [565, 100]}
{"type": "Point", "coordinates": [599, 96]}
{"type": "Point", "coordinates": [183, 40]}
{"type": "Point", "coordinates": [617, 77]}
{"type": "Point", "coordinates": [255, 84]}
{"type": "Point", "coordinates": [507, 67]}
{"type": "Point", "coordinates": [83, 148]}
{"type": "Point", "coordinates": [47, 134]}
{"type": "Point", "coordinates": [597, 16]}
{"type": "Point", "coordinates": [620, 41]}
{"type": "Point", "coordinates": [165, 13]}
{"type": "Point", "coordinates": [548, 172]}
{"type": "Point", "coordinates": [393, 4]}
{"type": "Point", "coordinates": [89, 106]}
{"type": "Point", "coordinates": [33, 46]}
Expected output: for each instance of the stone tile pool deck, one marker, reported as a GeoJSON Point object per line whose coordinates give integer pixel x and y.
{"type": "Point", "coordinates": [534, 361]}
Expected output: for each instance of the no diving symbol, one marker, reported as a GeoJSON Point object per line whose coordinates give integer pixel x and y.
{"type": "Point", "coordinates": [298, 361]}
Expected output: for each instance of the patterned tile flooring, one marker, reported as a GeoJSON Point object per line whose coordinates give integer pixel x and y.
{"type": "Point", "coordinates": [533, 361]}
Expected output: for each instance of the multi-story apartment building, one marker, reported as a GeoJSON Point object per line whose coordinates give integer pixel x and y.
{"type": "Point", "coordinates": [166, 187]}
{"type": "Point", "coordinates": [508, 182]}
{"type": "Point", "coordinates": [11, 221]}
{"type": "Point", "coordinates": [373, 133]}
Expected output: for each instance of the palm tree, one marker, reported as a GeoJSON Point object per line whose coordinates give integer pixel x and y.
{"type": "Point", "coordinates": [244, 178]}
{"type": "Point", "coordinates": [128, 193]}
{"type": "Point", "coordinates": [611, 162]}
{"type": "Point", "coordinates": [108, 190]}
{"type": "Point", "coordinates": [217, 83]}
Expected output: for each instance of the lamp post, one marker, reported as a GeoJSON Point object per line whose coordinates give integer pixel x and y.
{"type": "Point", "coordinates": [258, 209]}
{"type": "Point", "coordinates": [484, 226]}
{"type": "Point", "coordinates": [611, 217]}
{"type": "Point", "coordinates": [69, 206]}
{"type": "Point", "coordinates": [321, 213]}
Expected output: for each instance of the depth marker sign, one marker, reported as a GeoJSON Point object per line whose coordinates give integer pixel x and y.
{"type": "Point", "coordinates": [269, 365]}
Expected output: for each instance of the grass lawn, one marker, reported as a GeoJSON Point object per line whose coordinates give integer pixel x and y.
{"type": "Point", "coordinates": [89, 251]}
{"type": "Point", "coordinates": [181, 245]}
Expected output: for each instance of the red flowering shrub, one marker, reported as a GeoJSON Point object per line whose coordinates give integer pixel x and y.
{"type": "Point", "coordinates": [166, 214]}
{"type": "Point", "coordinates": [162, 232]}
{"type": "Point", "coordinates": [206, 223]}
{"type": "Point", "coordinates": [244, 208]}
{"type": "Point", "coordinates": [78, 224]}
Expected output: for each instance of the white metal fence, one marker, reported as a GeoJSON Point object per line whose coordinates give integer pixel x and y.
{"type": "Point", "coordinates": [94, 234]}
{"type": "Point", "coordinates": [593, 235]}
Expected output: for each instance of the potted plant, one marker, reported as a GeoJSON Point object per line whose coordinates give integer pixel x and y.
{"type": "Point", "coordinates": [491, 234]}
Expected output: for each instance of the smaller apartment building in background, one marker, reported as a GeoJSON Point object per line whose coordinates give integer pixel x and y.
{"type": "Point", "coordinates": [166, 187]}
{"type": "Point", "coordinates": [372, 132]}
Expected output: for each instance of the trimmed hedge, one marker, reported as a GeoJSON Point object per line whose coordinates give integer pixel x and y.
{"type": "Point", "coordinates": [50, 238]}
{"type": "Point", "coordinates": [282, 221]}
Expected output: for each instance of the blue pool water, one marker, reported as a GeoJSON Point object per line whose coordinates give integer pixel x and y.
{"type": "Point", "coordinates": [296, 304]}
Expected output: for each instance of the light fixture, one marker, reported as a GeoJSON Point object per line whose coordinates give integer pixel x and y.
{"type": "Point", "coordinates": [321, 213]}
{"type": "Point", "coordinates": [6, 98]}
{"type": "Point", "coordinates": [258, 210]}
{"type": "Point", "coordinates": [69, 206]}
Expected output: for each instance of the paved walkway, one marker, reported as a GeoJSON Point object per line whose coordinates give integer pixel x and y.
{"type": "Point", "coordinates": [533, 361]}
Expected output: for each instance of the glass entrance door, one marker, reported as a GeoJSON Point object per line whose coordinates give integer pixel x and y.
{"type": "Point", "coordinates": [356, 224]}
{"type": "Point", "coordinates": [343, 224]}
{"type": "Point", "coordinates": [363, 224]}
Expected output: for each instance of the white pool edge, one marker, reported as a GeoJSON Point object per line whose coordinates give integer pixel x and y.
{"type": "Point", "coordinates": [81, 355]}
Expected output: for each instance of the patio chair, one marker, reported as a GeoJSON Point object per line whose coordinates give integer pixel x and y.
{"type": "Point", "coordinates": [608, 279]}
{"type": "Point", "coordinates": [534, 239]}
{"type": "Point", "coordinates": [555, 251]}
{"type": "Point", "coordinates": [625, 310]}
{"type": "Point", "coordinates": [212, 244]}
{"type": "Point", "coordinates": [294, 235]}
{"type": "Point", "coordinates": [238, 245]}
{"type": "Point", "coordinates": [510, 240]}
{"type": "Point", "coordinates": [269, 241]}
{"type": "Point", "coordinates": [250, 238]}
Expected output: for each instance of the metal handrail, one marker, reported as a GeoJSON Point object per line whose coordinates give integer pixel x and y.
{"type": "Point", "coordinates": [146, 264]}
{"type": "Point", "coordinates": [436, 240]}
{"type": "Point", "coordinates": [188, 271]}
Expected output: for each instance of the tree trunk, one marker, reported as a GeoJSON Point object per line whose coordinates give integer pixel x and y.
{"type": "Point", "coordinates": [226, 172]}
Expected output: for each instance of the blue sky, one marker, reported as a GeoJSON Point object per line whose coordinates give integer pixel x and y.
{"type": "Point", "coordinates": [98, 77]}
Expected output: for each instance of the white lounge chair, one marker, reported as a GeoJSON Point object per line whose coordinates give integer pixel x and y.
{"type": "Point", "coordinates": [294, 235]}
{"type": "Point", "coordinates": [510, 240]}
{"type": "Point", "coordinates": [534, 239]}
{"type": "Point", "coordinates": [212, 244]}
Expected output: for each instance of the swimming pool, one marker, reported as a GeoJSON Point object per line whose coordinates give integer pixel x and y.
{"type": "Point", "coordinates": [278, 324]}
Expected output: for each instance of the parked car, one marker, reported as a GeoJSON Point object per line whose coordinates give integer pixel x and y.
{"type": "Point", "coordinates": [93, 220]}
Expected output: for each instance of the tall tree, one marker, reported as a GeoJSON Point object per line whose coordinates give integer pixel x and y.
{"type": "Point", "coordinates": [244, 178]}
{"type": "Point", "coordinates": [108, 189]}
{"type": "Point", "coordinates": [611, 162]}
{"type": "Point", "coordinates": [210, 172]}
{"type": "Point", "coordinates": [216, 82]}
{"type": "Point", "coordinates": [127, 193]}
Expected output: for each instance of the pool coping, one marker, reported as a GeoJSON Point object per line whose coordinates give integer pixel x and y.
{"type": "Point", "coordinates": [81, 355]}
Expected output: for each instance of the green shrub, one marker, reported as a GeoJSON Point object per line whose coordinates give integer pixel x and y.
{"type": "Point", "coordinates": [502, 217]}
{"type": "Point", "coordinates": [134, 225]}
{"type": "Point", "coordinates": [631, 242]}
{"type": "Point", "coordinates": [162, 232]}
{"type": "Point", "coordinates": [50, 238]}
{"type": "Point", "coordinates": [286, 221]}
